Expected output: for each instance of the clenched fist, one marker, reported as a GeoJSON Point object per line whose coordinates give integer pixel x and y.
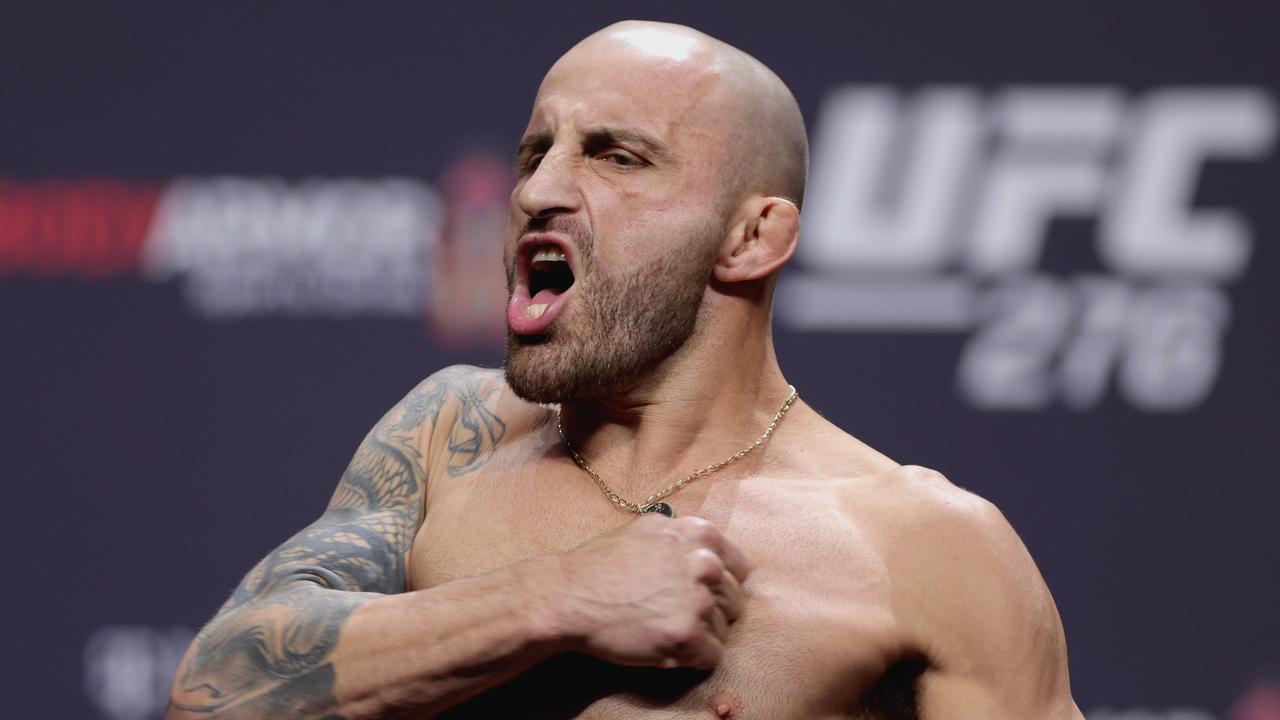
{"type": "Point", "coordinates": [657, 592]}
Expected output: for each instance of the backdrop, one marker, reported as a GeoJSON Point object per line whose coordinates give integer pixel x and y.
{"type": "Point", "coordinates": [1039, 255]}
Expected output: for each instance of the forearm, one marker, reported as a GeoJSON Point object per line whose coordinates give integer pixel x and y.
{"type": "Point", "coordinates": [432, 649]}
{"type": "Point", "coordinates": [308, 651]}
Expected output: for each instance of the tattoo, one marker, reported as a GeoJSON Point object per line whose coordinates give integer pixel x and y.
{"type": "Point", "coordinates": [478, 430]}
{"type": "Point", "coordinates": [267, 651]}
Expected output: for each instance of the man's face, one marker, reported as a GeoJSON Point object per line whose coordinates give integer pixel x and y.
{"type": "Point", "coordinates": [615, 220]}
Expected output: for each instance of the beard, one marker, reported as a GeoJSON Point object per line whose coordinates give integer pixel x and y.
{"type": "Point", "coordinates": [618, 327]}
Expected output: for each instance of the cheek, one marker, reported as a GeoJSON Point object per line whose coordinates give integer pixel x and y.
{"type": "Point", "coordinates": [654, 238]}
{"type": "Point", "coordinates": [515, 216]}
{"type": "Point", "coordinates": [515, 226]}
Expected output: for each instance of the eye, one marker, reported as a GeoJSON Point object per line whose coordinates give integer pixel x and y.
{"type": "Point", "coordinates": [531, 163]}
{"type": "Point", "coordinates": [621, 158]}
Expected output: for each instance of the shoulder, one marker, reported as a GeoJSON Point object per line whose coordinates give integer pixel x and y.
{"type": "Point", "coordinates": [820, 448]}
{"type": "Point", "coordinates": [938, 510]}
{"type": "Point", "coordinates": [972, 595]}
{"type": "Point", "coordinates": [449, 383]}
{"type": "Point", "coordinates": [433, 401]}
{"type": "Point", "coordinates": [464, 413]}
{"type": "Point", "coordinates": [950, 535]}
{"type": "Point", "coordinates": [437, 400]}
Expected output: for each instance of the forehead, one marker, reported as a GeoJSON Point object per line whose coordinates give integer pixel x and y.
{"type": "Point", "coordinates": [670, 88]}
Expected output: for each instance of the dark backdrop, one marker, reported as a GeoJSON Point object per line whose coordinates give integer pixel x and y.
{"type": "Point", "coordinates": [190, 351]}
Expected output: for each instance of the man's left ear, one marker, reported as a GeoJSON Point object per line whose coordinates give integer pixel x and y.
{"type": "Point", "coordinates": [760, 243]}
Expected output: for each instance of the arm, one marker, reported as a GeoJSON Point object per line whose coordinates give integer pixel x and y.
{"type": "Point", "coordinates": [983, 616]}
{"type": "Point", "coordinates": [322, 626]}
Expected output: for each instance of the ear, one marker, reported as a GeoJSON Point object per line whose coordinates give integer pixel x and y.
{"type": "Point", "coordinates": [761, 242]}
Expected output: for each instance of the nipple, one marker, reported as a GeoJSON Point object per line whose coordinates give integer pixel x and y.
{"type": "Point", "coordinates": [723, 705]}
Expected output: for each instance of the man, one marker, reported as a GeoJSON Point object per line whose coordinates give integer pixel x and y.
{"type": "Point", "coordinates": [482, 555]}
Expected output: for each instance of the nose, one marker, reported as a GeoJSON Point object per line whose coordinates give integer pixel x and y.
{"type": "Point", "coordinates": [550, 189]}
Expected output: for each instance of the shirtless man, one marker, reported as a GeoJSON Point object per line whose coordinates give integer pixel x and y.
{"type": "Point", "coordinates": [468, 567]}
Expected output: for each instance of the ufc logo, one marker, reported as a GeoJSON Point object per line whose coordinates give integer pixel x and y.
{"type": "Point", "coordinates": [930, 213]}
{"type": "Point", "coordinates": [949, 178]}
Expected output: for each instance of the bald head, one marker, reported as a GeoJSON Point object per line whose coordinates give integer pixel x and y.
{"type": "Point", "coordinates": [667, 169]}
{"type": "Point", "coordinates": [766, 150]}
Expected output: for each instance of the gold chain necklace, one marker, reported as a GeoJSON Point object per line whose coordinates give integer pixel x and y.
{"type": "Point", "coordinates": [652, 503]}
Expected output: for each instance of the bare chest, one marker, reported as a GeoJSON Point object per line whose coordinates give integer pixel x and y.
{"type": "Point", "coordinates": [815, 641]}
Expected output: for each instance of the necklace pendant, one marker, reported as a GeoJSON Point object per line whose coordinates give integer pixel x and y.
{"type": "Point", "coordinates": [659, 507]}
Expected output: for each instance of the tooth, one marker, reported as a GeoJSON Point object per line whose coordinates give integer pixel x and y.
{"type": "Point", "coordinates": [549, 255]}
{"type": "Point", "coordinates": [535, 311]}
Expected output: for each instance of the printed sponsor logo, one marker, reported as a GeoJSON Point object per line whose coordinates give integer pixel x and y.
{"type": "Point", "coordinates": [89, 228]}
{"type": "Point", "coordinates": [931, 214]}
{"type": "Point", "coordinates": [238, 246]}
{"type": "Point", "coordinates": [241, 247]}
{"type": "Point", "coordinates": [468, 287]}
{"type": "Point", "coordinates": [334, 248]}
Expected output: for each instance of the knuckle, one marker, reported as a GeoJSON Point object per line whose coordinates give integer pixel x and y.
{"type": "Point", "coordinates": [692, 523]}
{"type": "Point", "coordinates": [668, 638]}
{"type": "Point", "coordinates": [702, 528]}
{"type": "Point", "coordinates": [679, 635]}
{"type": "Point", "coordinates": [707, 566]}
{"type": "Point", "coordinates": [701, 532]}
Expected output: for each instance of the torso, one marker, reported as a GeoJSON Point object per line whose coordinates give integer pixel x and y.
{"type": "Point", "coordinates": [820, 637]}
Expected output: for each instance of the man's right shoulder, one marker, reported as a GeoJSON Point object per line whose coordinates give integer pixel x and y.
{"type": "Point", "coordinates": [465, 413]}
{"type": "Point", "coordinates": [455, 375]}
{"type": "Point", "coordinates": [435, 403]}
{"type": "Point", "coordinates": [444, 389]}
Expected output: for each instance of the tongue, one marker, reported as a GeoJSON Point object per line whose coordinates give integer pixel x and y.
{"type": "Point", "coordinates": [545, 295]}
{"type": "Point", "coordinates": [521, 322]}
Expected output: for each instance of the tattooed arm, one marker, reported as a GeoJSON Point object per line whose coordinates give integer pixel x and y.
{"type": "Point", "coordinates": [323, 627]}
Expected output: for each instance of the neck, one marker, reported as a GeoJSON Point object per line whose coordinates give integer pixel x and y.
{"type": "Point", "coordinates": [708, 400]}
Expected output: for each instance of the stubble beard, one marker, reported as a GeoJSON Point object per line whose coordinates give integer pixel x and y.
{"type": "Point", "coordinates": [620, 326]}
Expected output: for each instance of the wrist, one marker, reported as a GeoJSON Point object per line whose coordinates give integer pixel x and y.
{"type": "Point", "coordinates": [552, 621]}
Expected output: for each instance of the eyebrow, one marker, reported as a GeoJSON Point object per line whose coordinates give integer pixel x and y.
{"type": "Point", "coordinates": [535, 143]}
{"type": "Point", "coordinates": [607, 135]}
{"type": "Point", "coordinates": [597, 137]}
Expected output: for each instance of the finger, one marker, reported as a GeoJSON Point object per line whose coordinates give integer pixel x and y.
{"type": "Point", "coordinates": [702, 652]}
{"type": "Point", "coordinates": [706, 534]}
{"type": "Point", "coordinates": [729, 595]}
{"type": "Point", "coordinates": [735, 561]}
{"type": "Point", "coordinates": [707, 566]}
{"type": "Point", "coordinates": [717, 624]}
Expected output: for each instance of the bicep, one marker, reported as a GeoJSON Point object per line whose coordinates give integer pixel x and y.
{"type": "Point", "coordinates": [360, 541]}
{"type": "Point", "coordinates": [363, 539]}
{"type": "Point", "coordinates": [271, 641]}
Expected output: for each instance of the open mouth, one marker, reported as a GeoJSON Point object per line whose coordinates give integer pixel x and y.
{"type": "Point", "coordinates": [549, 276]}
{"type": "Point", "coordinates": [545, 277]}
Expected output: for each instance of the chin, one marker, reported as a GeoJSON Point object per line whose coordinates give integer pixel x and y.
{"type": "Point", "coordinates": [548, 372]}
{"type": "Point", "coordinates": [531, 367]}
